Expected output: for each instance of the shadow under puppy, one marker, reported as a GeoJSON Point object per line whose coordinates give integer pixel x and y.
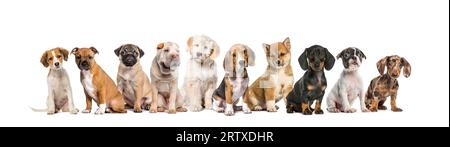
{"type": "Point", "coordinates": [311, 87]}
{"type": "Point", "coordinates": [59, 89]}
{"type": "Point", "coordinates": [350, 84]}
{"type": "Point", "coordinates": [275, 83]}
{"type": "Point", "coordinates": [164, 74]}
{"type": "Point", "coordinates": [98, 86]}
{"type": "Point", "coordinates": [131, 79]}
{"type": "Point", "coordinates": [201, 73]}
{"type": "Point", "coordinates": [386, 84]}
{"type": "Point", "coordinates": [235, 82]}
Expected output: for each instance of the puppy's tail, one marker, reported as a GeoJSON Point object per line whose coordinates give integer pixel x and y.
{"type": "Point", "coordinates": [37, 110]}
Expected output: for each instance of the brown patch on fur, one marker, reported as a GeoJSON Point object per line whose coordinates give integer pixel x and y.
{"type": "Point", "coordinates": [228, 92]}
{"type": "Point", "coordinates": [310, 87]}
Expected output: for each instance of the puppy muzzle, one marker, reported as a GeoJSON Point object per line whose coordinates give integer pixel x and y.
{"type": "Point", "coordinates": [129, 60]}
{"type": "Point", "coordinates": [84, 65]}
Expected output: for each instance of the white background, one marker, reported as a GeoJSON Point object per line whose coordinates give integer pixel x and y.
{"type": "Point", "coordinates": [415, 29]}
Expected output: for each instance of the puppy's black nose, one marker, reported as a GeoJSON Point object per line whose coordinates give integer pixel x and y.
{"type": "Point", "coordinates": [242, 63]}
{"type": "Point", "coordinates": [199, 54]}
{"type": "Point", "coordinates": [57, 64]}
{"type": "Point", "coordinates": [278, 62]}
{"type": "Point", "coordinates": [84, 63]}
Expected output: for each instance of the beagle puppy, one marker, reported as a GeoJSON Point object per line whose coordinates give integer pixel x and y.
{"type": "Point", "coordinates": [386, 84]}
{"type": "Point", "coordinates": [59, 89]}
{"type": "Point", "coordinates": [235, 82]}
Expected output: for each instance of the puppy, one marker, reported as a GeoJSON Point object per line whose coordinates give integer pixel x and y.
{"type": "Point", "coordinates": [133, 83]}
{"type": "Point", "coordinates": [350, 84]}
{"type": "Point", "coordinates": [386, 84]}
{"type": "Point", "coordinates": [311, 87]}
{"type": "Point", "coordinates": [98, 86]}
{"type": "Point", "coordinates": [275, 83]}
{"type": "Point", "coordinates": [201, 73]}
{"type": "Point", "coordinates": [235, 82]}
{"type": "Point", "coordinates": [59, 89]}
{"type": "Point", "coordinates": [164, 74]}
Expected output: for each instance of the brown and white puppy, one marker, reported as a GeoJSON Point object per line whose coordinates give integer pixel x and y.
{"type": "Point", "coordinates": [98, 86]}
{"type": "Point", "coordinates": [59, 89]}
{"type": "Point", "coordinates": [275, 83]}
{"type": "Point", "coordinates": [201, 73]}
{"type": "Point", "coordinates": [164, 74]}
{"type": "Point", "coordinates": [386, 84]}
{"type": "Point", "coordinates": [132, 81]}
{"type": "Point", "coordinates": [235, 82]}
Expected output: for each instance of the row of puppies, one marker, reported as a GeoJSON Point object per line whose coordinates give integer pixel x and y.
{"type": "Point", "coordinates": [274, 85]}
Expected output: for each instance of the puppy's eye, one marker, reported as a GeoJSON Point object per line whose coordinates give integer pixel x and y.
{"type": "Point", "coordinates": [90, 57]}
{"type": "Point", "coordinates": [51, 58]}
{"type": "Point", "coordinates": [78, 57]}
{"type": "Point", "coordinates": [282, 54]}
{"type": "Point", "coordinates": [321, 60]}
{"type": "Point", "coordinates": [205, 48]}
{"type": "Point", "coordinates": [234, 55]}
{"type": "Point", "coordinates": [196, 45]}
{"type": "Point", "coordinates": [166, 51]}
{"type": "Point", "coordinates": [59, 56]}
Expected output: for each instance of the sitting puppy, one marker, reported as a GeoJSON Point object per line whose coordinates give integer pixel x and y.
{"type": "Point", "coordinates": [201, 73]}
{"type": "Point", "coordinates": [350, 85]}
{"type": "Point", "coordinates": [59, 89]}
{"type": "Point", "coordinates": [132, 81]}
{"type": "Point", "coordinates": [386, 84]}
{"type": "Point", "coordinates": [164, 74]}
{"type": "Point", "coordinates": [235, 82]}
{"type": "Point", "coordinates": [98, 86]}
{"type": "Point", "coordinates": [275, 83]}
{"type": "Point", "coordinates": [311, 87]}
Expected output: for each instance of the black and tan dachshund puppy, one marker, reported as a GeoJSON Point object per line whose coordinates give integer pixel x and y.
{"type": "Point", "coordinates": [311, 87]}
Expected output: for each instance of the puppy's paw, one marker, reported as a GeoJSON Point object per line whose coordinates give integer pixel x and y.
{"type": "Point", "coordinates": [229, 111]}
{"type": "Point", "coordinates": [396, 109]}
{"type": "Point", "coordinates": [100, 111]}
{"type": "Point", "coordinates": [307, 112]}
{"type": "Point", "coordinates": [382, 108]}
{"type": "Point", "coordinates": [219, 110]}
{"type": "Point", "coordinates": [333, 110]}
{"type": "Point", "coordinates": [208, 105]}
{"type": "Point", "coordinates": [365, 110]}
{"type": "Point", "coordinates": [160, 109]}
{"type": "Point", "coordinates": [74, 111]}
{"type": "Point", "coordinates": [350, 110]}
{"type": "Point", "coordinates": [181, 109]}
{"type": "Point", "coordinates": [172, 111]}
{"type": "Point", "coordinates": [318, 111]}
{"type": "Point", "coordinates": [153, 109]}
{"type": "Point", "coordinates": [246, 109]}
{"type": "Point", "coordinates": [373, 109]}
{"type": "Point", "coordinates": [196, 108]}
{"type": "Point", "coordinates": [272, 109]}
{"type": "Point", "coordinates": [86, 111]}
{"type": "Point", "coordinates": [258, 108]}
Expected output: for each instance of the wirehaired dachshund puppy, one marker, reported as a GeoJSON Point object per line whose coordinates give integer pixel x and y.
{"type": "Point", "coordinates": [311, 87]}
{"type": "Point", "coordinates": [386, 84]}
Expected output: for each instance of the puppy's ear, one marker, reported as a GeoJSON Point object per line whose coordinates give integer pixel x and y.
{"type": "Point", "coordinates": [340, 55]}
{"type": "Point", "coordinates": [329, 63]}
{"type": "Point", "coordinates": [228, 63]}
{"type": "Point", "coordinates": [215, 51]}
{"type": "Point", "coordinates": [406, 67]}
{"type": "Point", "coordinates": [189, 43]}
{"type": "Point", "coordinates": [302, 60]}
{"type": "Point", "coordinates": [117, 50]}
{"type": "Point", "coordinates": [94, 50]}
{"type": "Point", "coordinates": [141, 52]}
{"type": "Point", "coordinates": [74, 50]}
{"type": "Point", "coordinates": [44, 59]}
{"type": "Point", "coordinates": [65, 53]}
{"type": "Point", "coordinates": [360, 54]}
{"type": "Point", "coordinates": [287, 43]}
{"type": "Point", "coordinates": [266, 49]}
{"type": "Point", "coordinates": [250, 55]}
{"type": "Point", "coordinates": [381, 65]}
{"type": "Point", "coordinates": [160, 46]}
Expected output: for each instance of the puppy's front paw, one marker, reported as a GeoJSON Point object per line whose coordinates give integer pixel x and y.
{"type": "Point", "coordinates": [208, 105]}
{"type": "Point", "coordinates": [395, 109]}
{"type": "Point", "coordinates": [181, 109]}
{"type": "Point", "coordinates": [219, 110]}
{"type": "Point", "coordinates": [333, 110]}
{"type": "Point", "coordinates": [137, 109]}
{"type": "Point", "coordinates": [318, 111]}
{"type": "Point", "coordinates": [229, 110]}
{"type": "Point", "coordinates": [50, 112]}
{"type": "Point", "coordinates": [246, 109]}
{"type": "Point", "coordinates": [272, 109]}
{"type": "Point", "coordinates": [172, 111]}
{"type": "Point", "coordinates": [382, 108]}
{"type": "Point", "coordinates": [373, 109]}
{"type": "Point", "coordinates": [307, 112]}
{"type": "Point", "coordinates": [86, 111]}
{"type": "Point", "coordinates": [350, 110]}
{"type": "Point", "coordinates": [100, 111]}
{"type": "Point", "coordinates": [365, 110]}
{"type": "Point", "coordinates": [258, 108]}
{"type": "Point", "coordinates": [74, 111]}
{"type": "Point", "coordinates": [196, 108]}
{"type": "Point", "coordinates": [153, 109]}
{"type": "Point", "coordinates": [161, 109]}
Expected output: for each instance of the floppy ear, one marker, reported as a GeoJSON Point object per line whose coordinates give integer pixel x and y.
{"type": "Point", "coordinates": [251, 56]}
{"type": "Point", "coordinates": [160, 46]}
{"type": "Point", "coordinates": [340, 55]}
{"type": "Point", "coordinates": [44, 59]}
{"type": "Point", "coordinates": [266, 49]}
{"type": "Point", "coordinates": [228, 63]}
{"type": "Point", "coordinates": [329, 63]}
{"type": "Point", "coordinates": [117, 50]}
{"type": "Point", "coordinates": [189, 43]}
{"type": "Point", "coordinates": [406, 67]}
{"type": "Point", "coordinates": [302, 60]}
{"type": "Point", "coordinates": [381, 65]}
{"type": "Point", "coordinates": [94, 50]}
{"type": "Point", "coordinates": [65, 53]}
{"type": "Point", "coordinates": [74, 50]}
{"type": "Point", "coordinates": [287, 43]}
{"type": "Point", "coordinates": [215, 50]}
{"type": "Point", "coordinates": [360, 53]}
{"type": "Point", "coordinates": [141, 52]}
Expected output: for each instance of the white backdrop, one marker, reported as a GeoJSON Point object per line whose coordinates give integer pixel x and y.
{"type": "Point", "coordinates": [415, 29]}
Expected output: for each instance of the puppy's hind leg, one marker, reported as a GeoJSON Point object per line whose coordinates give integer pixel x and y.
{"type": "Point", "coordinates": [180, 103]}
{"type": "Point", "coordinates": [331, 104]}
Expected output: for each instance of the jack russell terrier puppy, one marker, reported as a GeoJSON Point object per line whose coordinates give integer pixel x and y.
{"type": "Point", "coordinates": [201, 73]}
{"type": "Point", "coordinates": [132, 81]}
{"type": "Point", "coordinates": [275, 83]}
{"type": "Point", "coordinates": [235, 82]}
{"type": "Point", "coordinates": [350, 84]}
{"type": "Point", "coordinates": [59, 89]}
{"type": "Point", "coordinates": [164, 74]}
{"type": "Point", "coordinates": [98, 86]}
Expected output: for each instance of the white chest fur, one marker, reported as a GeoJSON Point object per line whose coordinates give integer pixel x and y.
{"type": "Point", "coordinates": [278, 79]}
{"type": "Point", "coordinates": [87, 84]}
{"type": "Point", "coordinates": [239, 87]}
